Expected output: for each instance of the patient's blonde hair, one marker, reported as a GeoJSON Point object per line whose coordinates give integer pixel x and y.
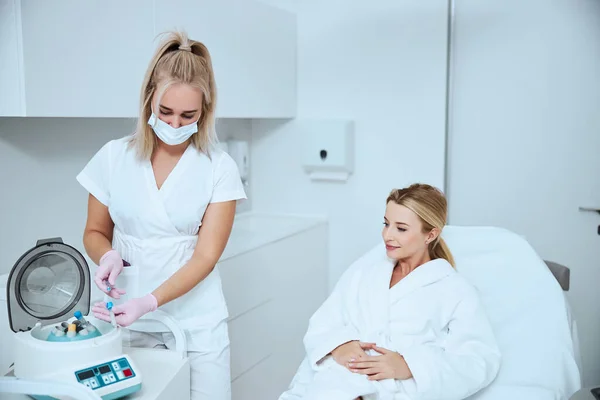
{"type": "Point", "coordinates": [178, 59]}
{"type": "Point", "coordinates": [430, 205]}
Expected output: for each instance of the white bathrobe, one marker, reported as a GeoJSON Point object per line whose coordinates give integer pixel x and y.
{"type": "Point", "coordinates": [432, 317]}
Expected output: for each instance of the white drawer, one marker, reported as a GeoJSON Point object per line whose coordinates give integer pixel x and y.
{"type": "Point", "coordinates": [247, 280]}
{"type": "Point", "coordinates": [251, 337]}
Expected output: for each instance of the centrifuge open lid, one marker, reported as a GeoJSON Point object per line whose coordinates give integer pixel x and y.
{"type": "Point", "coordinates": [47, 284]}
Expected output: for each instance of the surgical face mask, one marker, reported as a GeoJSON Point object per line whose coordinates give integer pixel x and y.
{"type": "Point", "coordinates": [168, 134]}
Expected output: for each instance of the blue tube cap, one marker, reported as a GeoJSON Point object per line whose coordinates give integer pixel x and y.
{"type": "Point", "coordinates": [78, 314]}
{"type": "Point", "coordinates": [109, 305]}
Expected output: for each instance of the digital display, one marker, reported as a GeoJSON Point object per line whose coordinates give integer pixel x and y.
{"type": "Point", "coordinates": [104, 369]}
{"type": "Point", "coordinates": [85, 375]}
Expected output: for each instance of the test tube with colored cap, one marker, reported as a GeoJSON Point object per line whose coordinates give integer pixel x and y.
{"type": "Point", "coordinates": [108, 285]}
{"type": "Point", "coordinates": [82, 321]}
{"type": "Point", "coordinates": [58, 331]}
{"type": "Point", "coordinates": [72, 330]}
{"type": "Point", "coordinates": [84, 324]}
{"type": "Point", "coordinates": [113, 320]}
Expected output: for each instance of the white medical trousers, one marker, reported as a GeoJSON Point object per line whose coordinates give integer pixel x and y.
{"type": "Point", "coordinates": [209, 369]}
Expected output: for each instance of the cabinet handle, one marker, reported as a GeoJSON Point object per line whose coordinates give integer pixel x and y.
{"type": "Point", "coordinates": [590, 209]}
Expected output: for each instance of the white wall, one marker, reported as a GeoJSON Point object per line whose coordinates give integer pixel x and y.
{"type": "Point", "coordinates": [39, 160]}
{"type": "Point", "coordinates": [525, 136]}
{"type": "Point", "coordinates": [381, 64]}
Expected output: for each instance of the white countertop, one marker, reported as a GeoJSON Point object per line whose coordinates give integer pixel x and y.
{"type": "Point", "coordinates": [164, 375]}
{"type": "Point", "coordinates": [252, 230]}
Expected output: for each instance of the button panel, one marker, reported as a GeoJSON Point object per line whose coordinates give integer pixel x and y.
{"type": "Point", "coordinates": [106, 374]}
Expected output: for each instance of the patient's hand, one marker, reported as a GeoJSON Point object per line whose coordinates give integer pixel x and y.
{"type": "Point", "coordinates": [389, 365]}
{"type": "Point", "coordinates": [350, 351]}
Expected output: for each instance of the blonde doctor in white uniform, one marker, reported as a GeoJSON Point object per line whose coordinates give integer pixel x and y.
{"type": "Point", "coordinates": [164, 199]}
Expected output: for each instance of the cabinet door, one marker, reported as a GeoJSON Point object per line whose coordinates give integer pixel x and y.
{"type": "Point", "coordinates": [266, 48]}
{"type": "Point", "coordinates": [85, 59]}
{"type": "Point", "coordinates": [11, 73]}
{"type": "Point", "coordinates": [271, 293]}
{"type": "Point", "coordinates": [253, 49]}
{"type": "Point", "coordinates": [301, 289]}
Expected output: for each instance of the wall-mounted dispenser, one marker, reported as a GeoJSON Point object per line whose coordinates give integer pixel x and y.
{"type": "Point", "coordinates": [328, 150]}
{"type": "Point", "coordinates": [239, 150]}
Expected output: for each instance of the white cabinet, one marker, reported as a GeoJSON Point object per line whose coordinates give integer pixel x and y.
{"type": "Point", "coordinates": [253, 49]}
{"type": "Point", "coordinates": [11, 89]}
{"type": "Point", "coordinates": [271, 292]}
{"type": "Point", "coordinates": [85, 59]}
{"type": "Point", "coordinates": [88, 59]}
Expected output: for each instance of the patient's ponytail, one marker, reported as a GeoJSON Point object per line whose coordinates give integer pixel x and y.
{"type": "Point", "coordinates": [439, 249]}
{"type": "Point", "coordinates": [430, 204]}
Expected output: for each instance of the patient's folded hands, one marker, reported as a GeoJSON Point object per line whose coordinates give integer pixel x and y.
{"type": "Point", "coordinates": [350, 351]}
{"type": "Point", "coordinates": [389, 365]}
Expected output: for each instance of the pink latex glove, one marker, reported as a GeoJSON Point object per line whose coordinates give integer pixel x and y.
{"type": "Point", "coordinates": [128, 312]}
{"type": "Point", "coordinates": [111, 265]}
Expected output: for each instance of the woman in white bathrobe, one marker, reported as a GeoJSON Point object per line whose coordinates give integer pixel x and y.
{"type": "Point", "coordinates": [404, 325]}
{"type": "Point", "coordinates": [163, 200]}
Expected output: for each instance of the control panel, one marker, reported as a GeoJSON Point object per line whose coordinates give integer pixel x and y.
{"type": "Point", "coordinates": [105, 374]}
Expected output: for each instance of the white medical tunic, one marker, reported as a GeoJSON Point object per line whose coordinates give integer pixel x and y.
{"type": "Point", "coordinates": [156, 230]}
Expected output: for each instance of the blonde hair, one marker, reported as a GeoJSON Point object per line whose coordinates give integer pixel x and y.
{"type": "Point", "coordinates": [178, 59]}
{"type": "Point", "coordinates": [430, 205]}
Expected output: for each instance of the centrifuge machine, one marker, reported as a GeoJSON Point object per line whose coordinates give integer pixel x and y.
{"type": "Point", "coordinates": [56, 345]}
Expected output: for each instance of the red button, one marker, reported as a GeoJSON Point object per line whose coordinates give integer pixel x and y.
{"type": "Point", "coordinates": [127, 372]}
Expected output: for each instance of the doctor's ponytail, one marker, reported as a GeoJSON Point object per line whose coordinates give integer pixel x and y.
{"type": "Point", "coordinates": [429, 203]}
